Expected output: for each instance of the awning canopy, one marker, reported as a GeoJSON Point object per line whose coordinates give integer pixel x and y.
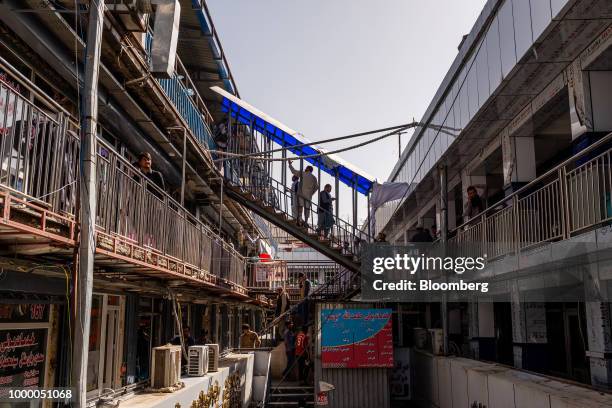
{"type": "Point", "coordinates": [331, 164]}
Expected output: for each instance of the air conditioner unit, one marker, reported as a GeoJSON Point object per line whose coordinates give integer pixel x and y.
{"type": "Point", "coordinates": [165, 366]}
{"type": "Point", "coordinates": [213, 357]}
{"type": "Point", "coordinates": [197, 360]}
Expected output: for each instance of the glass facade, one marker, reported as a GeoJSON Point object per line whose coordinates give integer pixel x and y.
{"type": "Point", "coordinates": [506, 40]}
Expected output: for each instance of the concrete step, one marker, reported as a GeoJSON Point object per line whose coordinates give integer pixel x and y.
{"type": "Point", "coordinates": [283, 404]}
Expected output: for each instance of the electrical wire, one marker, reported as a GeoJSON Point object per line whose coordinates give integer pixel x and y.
{"type": "Point", "coordinates": [396, 130]}
{"type": "Point", "coordinates": [401, 200]}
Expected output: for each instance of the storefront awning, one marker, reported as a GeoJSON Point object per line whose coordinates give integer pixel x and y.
{"type": "Point", "coordinates": [331, 164]}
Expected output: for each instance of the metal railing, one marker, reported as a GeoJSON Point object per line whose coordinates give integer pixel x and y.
{"type": "Point", "coordinates": [280, 200]}
{"type": "Point", "coordinates": [133, 206]}
{"type": "Point", "coordinates": [185, 97]}
{"type": "Point", "coordinates": [569, 199]}
{"type": "Point", "coordinates": [38, 156]}
{"type": "Point", "coordinates": [267, 276]}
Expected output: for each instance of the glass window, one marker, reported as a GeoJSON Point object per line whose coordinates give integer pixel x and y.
{"type": "Point", "coordinates": [472, 84]}
{"type": "Point", "coordinates": [449, 118]}
{"type": "Point", "coordinates": [522, 26]}
{"type": "Point", "coordinates": [493, 56]}
{"type": "Point", "coordinates": [463, 101]}
{"type": "Point", "coordinates": [483, 75]}
{"type": "Point", "coordinates": [540, 17]}
{"type": "Point", "coordinates": [506, 37]}
{"type": "Point", "coordinates": [457, 106]}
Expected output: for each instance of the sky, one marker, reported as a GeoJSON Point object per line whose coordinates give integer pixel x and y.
{"type": "Point", "coordinates": [328, 68]}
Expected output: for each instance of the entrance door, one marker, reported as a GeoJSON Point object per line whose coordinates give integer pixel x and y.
{"type": "Point", "coordinates": [106, 344]}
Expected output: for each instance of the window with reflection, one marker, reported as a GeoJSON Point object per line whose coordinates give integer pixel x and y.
{"type": "Point", "coordinates": [493, 55]}
{"type": "Point", "coordinates": [506, 38]}
{"type": "Point", "coordinates": [522, 26]}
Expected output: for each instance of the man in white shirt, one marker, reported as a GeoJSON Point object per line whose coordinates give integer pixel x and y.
{"type": "Point", "coordinates": [307, 187]}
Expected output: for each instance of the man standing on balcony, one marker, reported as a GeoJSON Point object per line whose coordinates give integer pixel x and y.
{"type": "Point", "coordinates": [145, 165]}
{"type": "Point", "coordinates": [308, 186]}
{"type": "Point", "coordinates": [474, 205]}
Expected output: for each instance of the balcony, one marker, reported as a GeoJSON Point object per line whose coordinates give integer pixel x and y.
{"type": "Point", "coordinates": [568, 200]}
{"type": "Point", "coordinates": [139, 227]}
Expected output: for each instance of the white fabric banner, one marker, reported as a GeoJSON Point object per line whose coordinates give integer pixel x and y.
{"type": "Point", "coordinates": [383, 193]}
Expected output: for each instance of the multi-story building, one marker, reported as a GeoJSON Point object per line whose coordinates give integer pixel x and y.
{"type": "Point", "coordinates": [162, 248]}
{"type": "Point", "coordinates": [523, 116]}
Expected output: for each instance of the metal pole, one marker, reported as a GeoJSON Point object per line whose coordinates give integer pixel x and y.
{"type": "Point", "coordinates": [399, 145]}
{"type": "Point", "coordinates": [319, 180]}
{"type": "Point", "coordinates": [443, 240]}
{"type": "Point", "coordinates": [337, 187]}
{"type": "Point", "coordinates": [184, 164]}
{"type": "Point", "coordinates": [221, 208]}
{"type": "Point", "coordinates": [369, 217]}
{"type": "Point", "coordinates": [84, 284]}
{"type": "Point", "coordinates": [354, 208]}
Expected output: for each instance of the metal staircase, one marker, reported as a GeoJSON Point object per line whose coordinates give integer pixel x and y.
{"type": "Point", "coordinates": [272, 200]}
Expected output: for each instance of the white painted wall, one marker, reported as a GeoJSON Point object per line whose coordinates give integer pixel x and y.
{"type": "Point", "coordinates": [454, 382]}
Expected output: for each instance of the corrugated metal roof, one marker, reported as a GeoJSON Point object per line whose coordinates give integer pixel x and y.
{"type": "Point", "coordinates": [280, 133]}
{"type": "Point", "coordinates": [201, 52]}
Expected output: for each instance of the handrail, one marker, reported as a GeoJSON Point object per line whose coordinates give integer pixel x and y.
{"type": "Point", "coordinates": [317, 291]}
{"type": "Point", "coordinates": [539, 179]}
{"type": "Point", "coordinates": [30, 86]}
{"type": "Point", "coordinates": [153, 189]}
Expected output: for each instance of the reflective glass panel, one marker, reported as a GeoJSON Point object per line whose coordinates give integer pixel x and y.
{"type": "Point", "coordinates": [506, 37]}
{"type": "Point", "coordinates": [493, 56]}
{"type": "Point", "coordinates": [522, 26]}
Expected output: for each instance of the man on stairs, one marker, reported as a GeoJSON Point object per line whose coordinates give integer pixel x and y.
{"type": "Point", "coordinates": [307, 187]}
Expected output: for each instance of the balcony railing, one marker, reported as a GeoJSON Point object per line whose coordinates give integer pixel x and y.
{"type": "Point", "coordinates": [267, 276]}
{"type": "Point", "coordinates": [185, 97]}
{"type": "Point", "coordinates": [39, 157]}
{"type": "Point", "coordinates": [565, 201]}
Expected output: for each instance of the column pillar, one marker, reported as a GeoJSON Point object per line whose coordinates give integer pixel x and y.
{"type": "Point", "coordinates": [528, 332]}
{"type": "Point", "coordinates": [481, 330]}
{"type": "Point", "coordinates": [599, 330]}
{"type": "Point", "coordinates": [519, 162]}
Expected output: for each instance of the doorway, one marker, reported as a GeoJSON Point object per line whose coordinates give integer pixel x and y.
{"type": "Point", "coordinates": [105, 344]}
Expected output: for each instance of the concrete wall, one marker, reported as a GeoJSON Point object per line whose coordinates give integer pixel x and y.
{"type": "Point", "coordinates": [453, 382]}
{"type": "Point", "coordinates": [233, 363]}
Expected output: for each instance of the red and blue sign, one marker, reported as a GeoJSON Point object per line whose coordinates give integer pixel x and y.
{"type": "Point", "coordinates": [356, 338]}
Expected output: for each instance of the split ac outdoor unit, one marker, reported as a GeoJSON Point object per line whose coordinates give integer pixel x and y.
{"type": "Point", "coordinates": [165, 366]}
{"type": "Point", "coordinates": [197, 360]}
{"type": "Point", "coordinates": [213, 357]}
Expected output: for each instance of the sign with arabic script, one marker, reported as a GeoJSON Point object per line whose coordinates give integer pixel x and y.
{"type": "Point", "coordinates": [22, 358]}
{"type": "Point", "coordinates": [356, 338]}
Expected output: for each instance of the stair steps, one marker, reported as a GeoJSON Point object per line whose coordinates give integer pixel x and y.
{"type": "Point", "coordinates": [292, 396]}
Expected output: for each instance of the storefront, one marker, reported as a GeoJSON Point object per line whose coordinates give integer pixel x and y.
{"type": "Point", "coordinates": [28, 346]}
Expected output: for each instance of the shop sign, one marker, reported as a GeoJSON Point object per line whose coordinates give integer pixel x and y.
{"type": "Point", "coordinates": [322, 398]}
{"type": "Point", "coordinates": [22, 358]}
{"type": "Point", "coordinates": [356, 338]}
{"type": "Point", "coordinates": [24, 313]}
